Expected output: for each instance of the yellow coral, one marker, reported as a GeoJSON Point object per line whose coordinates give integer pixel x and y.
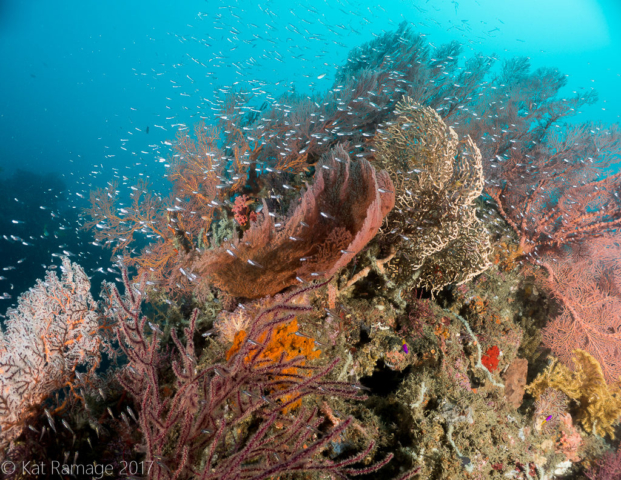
{"type": "Point", "coordinates": [600, 404]}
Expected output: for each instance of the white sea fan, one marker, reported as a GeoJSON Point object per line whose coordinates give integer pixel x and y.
{"type": "Point", "coordinates": [229, 323]}
{"type": "Point", "coordinates": [53, 330]}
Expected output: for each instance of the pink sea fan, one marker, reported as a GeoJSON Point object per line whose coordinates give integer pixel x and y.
{"type": "Point", "coordinates": [587, 282]}
{"type": "Point", "coordinates": [608, 468]}
{"type": "Point", "coordinates": [333, 221]}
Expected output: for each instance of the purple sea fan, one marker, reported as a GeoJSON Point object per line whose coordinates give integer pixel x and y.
{"type": "Point", "coordinates": [608, 468]}
{"type": "Point", "coordinates": [333, 221]}
{"type": "Point", "coordinates": [202, 431]}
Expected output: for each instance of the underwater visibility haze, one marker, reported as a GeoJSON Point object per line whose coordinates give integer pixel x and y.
{"type": "Point", "coordinates": [310, 240]}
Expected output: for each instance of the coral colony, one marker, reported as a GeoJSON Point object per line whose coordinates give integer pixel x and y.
{"type": "Point", "coordinates": [415, 274]}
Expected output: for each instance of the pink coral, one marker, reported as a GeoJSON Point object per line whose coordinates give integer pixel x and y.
{"type": "Point", "coordinates": [240, 210]}
{"type": "Point", "coordinates": [457, 372]}
{"type": "Point", "coordinates": [210, 406]}
{"type": "Point", "coordinates": [608, 468]}
{"type": "Point", "coordinates": [587, 283]}
{"type": "Point", "coordinates": [51, 332]}
{"type": "Point", "coordinates": [570, 441]}
{"type": "Point", "coordinates": [333, 221]}
{"type": "Point", "coordinates": [555, 191]}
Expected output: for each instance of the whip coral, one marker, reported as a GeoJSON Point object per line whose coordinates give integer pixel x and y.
{"type": "Point", "coordinates": [200, 431]}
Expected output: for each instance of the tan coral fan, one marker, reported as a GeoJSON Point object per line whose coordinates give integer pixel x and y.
{"type": "Point", "coordinates": [437, 178]}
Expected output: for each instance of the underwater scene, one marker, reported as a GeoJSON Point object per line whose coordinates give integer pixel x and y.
{"type": "Point", "coordinates": [310, 240]}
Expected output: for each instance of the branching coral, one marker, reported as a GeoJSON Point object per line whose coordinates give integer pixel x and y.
{"type": "Point", "coordinates": [586, 282]}
{"type": "Point", "coordinates": [600, 405]}
{"type": "Point", "coordinates": [177, 224]}
{"type": "Point", "coordinates": [53, 334]}
{"type": "Point", "coordinates": [561, 191]}
{"type": "Point", "coordinates": [334, 220]}
{"type": "Point", "coordinates": [437, 178]}
{"type": "Point", "coordinates": [205, 429]}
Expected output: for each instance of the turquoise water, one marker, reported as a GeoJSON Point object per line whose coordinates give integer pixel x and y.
{"type": "Point", "coordinates": [97, 98]}
{"type": "Point", "coordinates": [78, 76]}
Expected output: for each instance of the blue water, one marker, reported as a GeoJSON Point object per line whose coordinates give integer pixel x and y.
{"type": "Point", "coordinates": [78, 77]}
{"type": "Point", "coordinates": [95, 91]}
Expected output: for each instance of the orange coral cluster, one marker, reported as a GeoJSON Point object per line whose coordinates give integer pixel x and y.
{"type": "Point", "coordinates": [478, 305]}
{"type": "Point", "coordinates": [441, 331]}
{"type": "Point", "coordinates": [177, 224]}
{"type": "Point", "coordinates": [508, 256]}
{"type": "Point", "coordinates": [285, 340]}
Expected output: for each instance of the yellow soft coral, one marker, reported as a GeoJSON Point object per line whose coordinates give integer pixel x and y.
{"type": "Point", "coordinates": [600, 404]}
{"type": "Point", "coordinates": [283, 340]}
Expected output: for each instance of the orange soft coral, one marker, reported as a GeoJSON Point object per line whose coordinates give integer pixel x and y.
{"type": "Point", "coordinates": [285, 340]}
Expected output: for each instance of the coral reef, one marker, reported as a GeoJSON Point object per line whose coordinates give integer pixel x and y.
{"type": "Point", "coordinates": [439, 239]}
{"type": "Point", "coordinates": [599, 405]}
{"type": "Point", "coordinates": [609, 468]}
{"type": "Point", "coordinates": [353, 282]}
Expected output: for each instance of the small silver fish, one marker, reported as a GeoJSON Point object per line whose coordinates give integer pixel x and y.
{"type": "Point", "coordinates": [131, 414]}
{"type": "Point", "coordinates": [66, 425]}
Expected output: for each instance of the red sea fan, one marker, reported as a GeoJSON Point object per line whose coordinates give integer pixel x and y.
{"type": "Point", "coordinates": [333, 221]}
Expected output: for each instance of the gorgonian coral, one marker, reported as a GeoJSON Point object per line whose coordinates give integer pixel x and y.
{"type": "Point", "coordinates": [333, 220]}
{"type": "Point", "coordinates": [437, 178]}
{"type": "Point", "coordinates": [54, 330]}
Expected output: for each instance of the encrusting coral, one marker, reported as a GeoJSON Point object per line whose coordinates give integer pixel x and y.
{"type": "Point", "coordinates": [437, 179]}
{"type": "Point", "coordinates": [599, 404]}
